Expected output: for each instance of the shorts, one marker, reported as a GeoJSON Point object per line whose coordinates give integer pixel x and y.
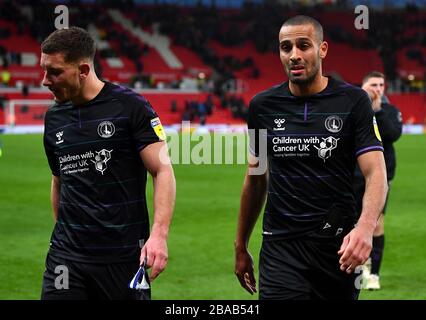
{"type": "Point", "coordinates": [359, 188]}
{"type": "Point", "coordinates": [70, 280]}
{"type": "Point", "coordinates": [304, 270]}
{"type": "Point", "coordinates": [308, 268]}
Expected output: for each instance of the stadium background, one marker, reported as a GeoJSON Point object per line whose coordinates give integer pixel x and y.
{"type": "Point", "coordinates": [202, 61]}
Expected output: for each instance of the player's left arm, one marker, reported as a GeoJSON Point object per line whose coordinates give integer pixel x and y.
{"type": "Point", "coordinates": [158, 164]}
{"type": "Point", "coordinates": [357, 244]}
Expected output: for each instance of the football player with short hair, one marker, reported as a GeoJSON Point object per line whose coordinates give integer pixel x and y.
{"type": "Point", "coordinates": [313, 241]}
{"type": "Point", "coordinates": [101, 140]}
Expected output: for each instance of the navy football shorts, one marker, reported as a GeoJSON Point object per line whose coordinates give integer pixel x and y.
{"type": "Point", "coordinates": [307, 268]}
{"type": "Point", "coordinates": [89, 281]}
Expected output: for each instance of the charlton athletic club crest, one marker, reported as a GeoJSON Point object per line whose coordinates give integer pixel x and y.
{"type": "Point", "coordinates": [106, 129]}
{"type": "Point", "coordinates": [333, 124]}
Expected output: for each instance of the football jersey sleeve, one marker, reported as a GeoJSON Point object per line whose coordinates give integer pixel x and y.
{"type": "Point", "coordinates": [49, 150]}
{"type": "Point", "coordinates": [146, 126]}
{"type": "Point", "coordinates": [367, 135]}
{"type": "Point", "coordinates": [253, 128]}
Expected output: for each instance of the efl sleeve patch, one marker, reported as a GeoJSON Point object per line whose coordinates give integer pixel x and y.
{"type": "Point", "coordinates": [376, 129]}
{"type": "Point", "coordinates": [158, 128]}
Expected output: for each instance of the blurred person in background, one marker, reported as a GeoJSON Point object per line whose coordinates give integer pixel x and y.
{"type": "Point", "coordinates": [389, 123]}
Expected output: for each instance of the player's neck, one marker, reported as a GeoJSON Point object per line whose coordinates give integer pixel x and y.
{"type": "Point", "coordinates": [90, 90]}
{"type": "Point", "coordinates": [303, 90]}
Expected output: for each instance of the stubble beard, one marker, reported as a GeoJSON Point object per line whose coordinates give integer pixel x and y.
{"type": "Point", "coordinates": [309, 79]}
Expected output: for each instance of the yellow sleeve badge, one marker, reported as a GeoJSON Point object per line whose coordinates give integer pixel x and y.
{"type": "Point", "coordinates": [158, 128]}
{"type": "Point", "coordinates": [376, 129]}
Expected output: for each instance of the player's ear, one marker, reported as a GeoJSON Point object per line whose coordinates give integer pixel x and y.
{"type": "Point", "coordinates": [84, 69]}
{"type": "Point", "coordinates": [323, 49]}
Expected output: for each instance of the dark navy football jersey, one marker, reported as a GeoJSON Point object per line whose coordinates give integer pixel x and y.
{"type": "Point", "coordinates": [312, 146]}
{"type": "Point", "coordinates": [94, 149]}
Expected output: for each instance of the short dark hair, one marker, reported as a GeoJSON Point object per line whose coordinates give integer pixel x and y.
{"type": "Point", "coordinates": [303, 20]}
{"type": "Point", "coordinates": [75, 43]}
{"type": "Point", "coordinates": [373, 74]}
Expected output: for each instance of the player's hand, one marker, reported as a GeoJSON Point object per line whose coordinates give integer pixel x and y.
{"type": "Point", "coordinates": [356, 247]}
{"type": "Point", "coordinates": [244, 270]}
{"type": "Point", "coordinates": [156, 253]}
{"type": "Point", "coordinates": [376, 99]}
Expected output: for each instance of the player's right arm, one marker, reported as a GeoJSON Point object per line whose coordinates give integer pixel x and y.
{"type": "Point", "coordinates": [55, 192]}
{"type": "Point", "coordinates": [252, 200]}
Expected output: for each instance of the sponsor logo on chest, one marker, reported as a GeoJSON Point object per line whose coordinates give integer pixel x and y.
{"type": "Point", "coordinates": [305, 144]}
{"type": "Point", "coordinates": [84, 162]}
{"type": "Point", "coordinates": [59, 137]}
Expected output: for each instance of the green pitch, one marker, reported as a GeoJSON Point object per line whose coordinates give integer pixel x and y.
{"type": "Point", "coordinates": [201, 260]}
